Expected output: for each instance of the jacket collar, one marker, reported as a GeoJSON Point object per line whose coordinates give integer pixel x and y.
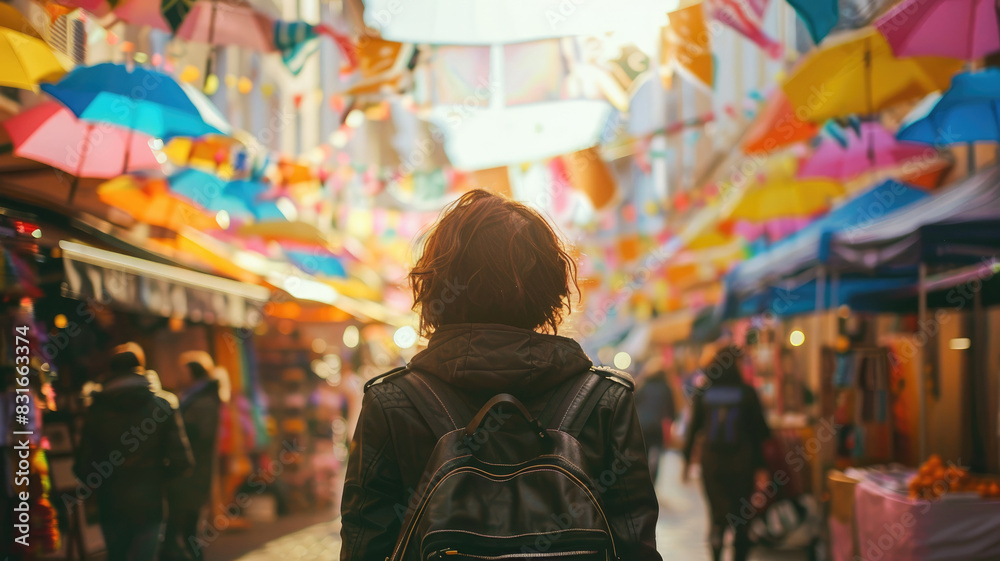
{"type": "Point", "coordinates": [125, 381]}
{"type": "Point", "coordinates": [499, 358]}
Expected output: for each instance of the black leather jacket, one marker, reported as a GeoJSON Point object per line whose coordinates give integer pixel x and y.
{"type": "Point", "coordinates": [392, 442]}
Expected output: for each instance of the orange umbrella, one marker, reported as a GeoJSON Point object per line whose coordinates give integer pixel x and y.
{"type": "Point", "coordinates": [777, 126]}
{"type": "Point", "coordinates": [150, 201]}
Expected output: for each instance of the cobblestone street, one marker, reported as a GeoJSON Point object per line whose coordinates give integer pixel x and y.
{"type": "Point", "coordinates": [680, 535]}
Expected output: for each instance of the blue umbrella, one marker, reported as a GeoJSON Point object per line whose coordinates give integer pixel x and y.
{"type": "Point", "coordinates": [968, 112]}
{"type": "Point", "coordinates": [317, 263]}
{"type": "Point", "coordinates": [139, 99]}
{"type": "Point", "coordinates": [241, 199]}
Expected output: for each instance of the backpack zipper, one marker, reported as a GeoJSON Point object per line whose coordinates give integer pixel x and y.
{"type": "Point", "coordinates": [402, 545]}
{"type": "Point", "coordinates": [445, 553]}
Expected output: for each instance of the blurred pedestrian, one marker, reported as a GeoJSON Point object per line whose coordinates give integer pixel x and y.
{"type": "Point", "coordinates": [188, 496]}
{"type": "Point", "coordinates": [492, 285]}
{"type": "Point", "coordinates": [131, 445]}
{"type": "Point", "coordinates": [654, 402]}
{"type": "Point", "coordinates": [729, 413]}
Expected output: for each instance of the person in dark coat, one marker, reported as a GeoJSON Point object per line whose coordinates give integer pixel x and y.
{"type": "Point", "coordinates": [199, 406]}
{"type": "Point", "coordinates": [729, 413]}
{"type": "Point", "coordinates": [654, 401]}
{"type": "Point", "coordinates": [131, 445]}
{"type": "Point", "coordinates": [491, 285]}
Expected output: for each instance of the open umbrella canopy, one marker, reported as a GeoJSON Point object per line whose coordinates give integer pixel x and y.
{"type": "Point", "coordinates": [25, 59]}
{"type": "Point", "coordinates": [142, 12]}
{"type": "Point", "coordinates": [51, 134]}
{"type": "Point", "coordinates": [12, 19]}
{"type": "Point", "coordinates": [968, 112]}
{"type": "Point", "coordinates": [782, 196]}
{"type": "Point", "coordinates": [139, 99]}
{"type": "Point", "coordinates": [777, 126]}
{"type": "Point", "coordinates": [869, 148]}
{"type": "Point", "coordinates": [802, 250]}
{"type": "Point", "coordinates": [150, 201]}
{"type": "Point", "coordinates": [240, 199]}
{"type": "Point", "coordinates": [858, 74]}
{"type": "Point", "coordinates": [228, 22]}
{"type": "Point", "coordinates": [965, 29]}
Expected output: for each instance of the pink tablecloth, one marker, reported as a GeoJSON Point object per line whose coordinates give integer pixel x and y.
{"type": "Point", "coordinates": [841, 541]}
{"type": "Point", "coordinates": [892, 527]}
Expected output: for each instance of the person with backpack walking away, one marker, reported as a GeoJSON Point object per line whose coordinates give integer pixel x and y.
{"type": "Point", "coordinates": [729, 413]}
{"type": "Point", "coordinates": [500, 440]}
{"type": "Point", "coordinates": [131, 445]}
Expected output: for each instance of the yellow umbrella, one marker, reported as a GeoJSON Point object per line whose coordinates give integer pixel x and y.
{"type": "Point", "coordinates": [783, 196]}
{"type": "Point", "coordinates": [859, 75]}
{"type": "Point", "coordinates": [12, 19]}
{"type": "Point", "coordinates": [25, 59]}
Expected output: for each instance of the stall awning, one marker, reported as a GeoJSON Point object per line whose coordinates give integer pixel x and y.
{"type": "Point", "coordinates": [957, 225]}
{"type": "Point", "coordinates": [795, 297]}
{"type": "Point", "coordinates": [803, 249]}
{"type": "Point", "coordinates": [137, 285]}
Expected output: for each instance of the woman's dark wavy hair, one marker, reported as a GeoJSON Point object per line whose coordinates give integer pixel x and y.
{"type": "Point", "coordinates": [492, 260]}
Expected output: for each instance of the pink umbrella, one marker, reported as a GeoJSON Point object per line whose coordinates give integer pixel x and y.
{"type": "Point", "coordinates": [228, 22]}
{"type": "Point", "coordinates": [142, 12]}
{"type": "Point", "coordinates": [965, 29]}
{"type": "Point", "coordinates": [875, 148]}
{"type": "Point", "coordinates": [51, 134]}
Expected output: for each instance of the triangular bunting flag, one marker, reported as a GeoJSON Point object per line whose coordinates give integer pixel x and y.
{"type": "Point", "coordinates": [746, 17]}
{"type": "Point", "coordinates": [295, 41]}
{"type": "Point", "coordinates": [686, 43]}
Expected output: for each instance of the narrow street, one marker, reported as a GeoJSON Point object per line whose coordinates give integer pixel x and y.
{"type": "Point", "coordinates": [680, 536]}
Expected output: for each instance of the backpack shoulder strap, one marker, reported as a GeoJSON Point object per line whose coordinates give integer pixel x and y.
{"type": "Point", "coordinates": [384, 377]}
{"type": "Point", "coordinates": [600, 380]}
{"type": "Point", "coordinates": [617, 376]}
{"type": "Point", "coordinates": [428, 400]}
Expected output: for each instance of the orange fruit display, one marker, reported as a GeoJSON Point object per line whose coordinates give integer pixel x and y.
{"type": "Point", "coordinates": [934, 479]}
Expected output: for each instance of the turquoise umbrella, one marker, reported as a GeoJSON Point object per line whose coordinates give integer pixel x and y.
{"type": "Point", "coordinates": [138, 99]}
{"type": "Point", "coordinates": [241, 199]}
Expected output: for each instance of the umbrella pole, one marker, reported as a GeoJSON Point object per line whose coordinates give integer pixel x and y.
{"type": "Point", "coordinates": [211, 47]}
{"type": "Point", "coordinates": [921, 371]}
{"type": "Point", "coordinates": [869, 98]}
{"type": "Point", "coordinates": [79, 165]}
{"type": "Point", "coordinates": [128, 151]}
{"type": "Point", "coordinates": [971, 158]}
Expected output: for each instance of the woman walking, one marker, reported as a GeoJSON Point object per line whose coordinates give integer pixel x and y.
{"type": "Point", "coordinates": [491, 287]}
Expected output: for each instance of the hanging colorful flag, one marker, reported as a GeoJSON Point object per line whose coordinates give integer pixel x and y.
{"type": "Point", "coordinates": [746, 17]}
{"type": "Point", "coordinates": [174, 12]}
{"type": "Point", "coordinates": [589, 174]}
{"type": "Point", "coordinates": [819, 16]}
{"type": "Point", "coordinates": [296, 41]}
{"type": "Point", "coordinates": [687, 45]}
{"type": "Point", "coordinates": [347, 47]}
{"type": "Point", "coordinates": [381, 65]}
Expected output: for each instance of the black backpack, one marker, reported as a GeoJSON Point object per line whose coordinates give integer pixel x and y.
{"type": "Point", "coordinates": [507, 486]}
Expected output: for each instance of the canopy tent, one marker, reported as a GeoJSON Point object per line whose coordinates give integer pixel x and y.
{"type": "Point", "coordinates": [795, 296]}
{"type": "Point", "coordinates": [802, 250]}
{"type": "Point", "coordinates": [953, 226]}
